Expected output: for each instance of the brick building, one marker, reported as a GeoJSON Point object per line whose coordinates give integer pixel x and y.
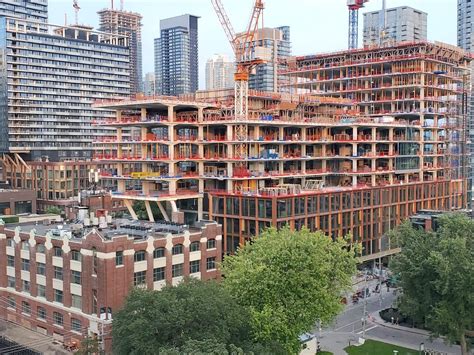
{"type": "Point", "coordinates": [67, 281]}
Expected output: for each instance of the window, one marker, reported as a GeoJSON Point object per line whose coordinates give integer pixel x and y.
{"type": "Point", "coordinates": [58, 318]}
{"type": "Point", "coordinates": [177, 270]}
{"type": "Point", "coordinates": [194, 246]}
{"type": "Point", "coordinates": [119, 258]}
{"type": "Point", "coordinates": [211, 263]}
{"type": "Point", "coordinates": [25, 285]}
{"type": "Point", "coordinates": [10, 260]}
{"type": "Point", "coordinates": [76, 325]}
{"type": "Point", "coordinates": [25, 307]}
{"type": "Point", "coordinates": [76, 301]}
{"type": "Point", "coordinates": [25, 264]}
{"type": "Point", "coordinates": [41, 269]}
{"type": "Point", "coordinates": [139, 278]}
{"type": "Point", "coordinates": [159, 274]}
{"type": "Point", "coordinates": [41, 313]}
{"type": "Point", "coordinates": [57, 251]}
{"type": "Point", "coordinates": [140, 256]}
{"type": "Point", "coordinates": [25, 246]}
{"type": "Point", "coordinates": [40, 248]}
{"type": "Point", "coordinates": [76, 277]}
{"type": "Point", "coordinates": [194, 266]}
{"type": "Point", "coordinates": [58, 296]}
{"type": "Point", "coordinates": [158, 253]}
{"type": "Point", "coordinates": [11, 282]}
{"type": "Point", "coordinates": [211, 244]}
{"type": "Point", "coordinates": [178, 249]}
{"type": "Point", "coordinates": [11, 302]}
{"type": "Point", "coordinates": [41, 291]}
{"type": "Point", "coordinates": [76, 255]}
{"type": "Point", "coordinates": [10, 243]}
{"type": "Point", "coordinates": [94, 261]}
{"type": "Point", "coordinates": [58, 272]}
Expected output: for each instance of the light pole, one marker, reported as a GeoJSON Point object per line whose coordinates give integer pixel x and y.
{"type": "Point", "coordinates": [422, 348]}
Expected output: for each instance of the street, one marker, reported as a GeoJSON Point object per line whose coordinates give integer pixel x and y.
{"type": "Point", "coordinates": [348, 327]}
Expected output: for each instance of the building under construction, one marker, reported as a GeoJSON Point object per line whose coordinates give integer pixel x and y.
{"type": "Point", "coordinates": [126, 23]}
{"type": "Point", "coordinates": [366, 139]}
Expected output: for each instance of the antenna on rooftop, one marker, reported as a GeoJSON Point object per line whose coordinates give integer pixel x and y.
{"type": "Point", "coordinates": [112, 4]}
{"type": "Point", "coordinates": [121, 5]}
{"type": "Point", "coordinates": [75, 5]}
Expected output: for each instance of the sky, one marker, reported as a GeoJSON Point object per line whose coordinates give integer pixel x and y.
{"type": "Point", "coordinates": [316, 25]}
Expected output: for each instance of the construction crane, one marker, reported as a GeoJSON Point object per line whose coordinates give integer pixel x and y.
{"type": "Point", "coordinates": [75, 5]}
{"type": "Point", "coordinates": [247, 57]}
{"type": "Point", "coordinates": [354, 7]}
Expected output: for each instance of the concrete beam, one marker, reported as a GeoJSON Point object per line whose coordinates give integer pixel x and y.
{"type": "Point", "coordinates": [149, 211]}
{"type": "Point", "coordinates": [163, 211]}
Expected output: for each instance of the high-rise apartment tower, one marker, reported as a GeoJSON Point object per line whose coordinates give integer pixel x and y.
{"type": "Point", "coordinates": [176, 56]}
{"type": "Point", "coordinates": [34, 10]}
{"type": "Point", "coordinates": [219, 72]}
{"type": "Point", "coordinates": [128, 24]}
{"type": "Point", "coordinates": [401, 24]}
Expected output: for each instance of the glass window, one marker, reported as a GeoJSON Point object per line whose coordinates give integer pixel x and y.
{"type": "Point", "coordinates": [178, 249]}
{"type": "Point", "coordinates": [41, 269]}
{"type": "Point", "coordinates": [76, 255]}
{"type": "Point", "coordinates": [140, 256]}
{"type": "Point", "coordinates": [41, 313]}
{"type": "Point", "coordinates": [10, 243]}
{"type": "Point", "coordinates": [58, 296]}
{"type": "Point", "coordinates": [76, 325]}
{"type": "Point", "coordinates": [11, 302]}
{"type": "Point", "coordinates": [57, 251]}
{"type": "Point", "coordinates": [159, 253]}
{"type": "Point", "coordinates": [76, 301]}
{"type": "Point", "coordinates": [119, 258]}
{"type": "Point", "coordinates": [76, 277]}
{"type": "Point", "coordinates": [40, 248]}
{"type": "Point", "coordinates": [58, 272]}
{"type": "Point", "coordinates": [177, 270]}
{"type": "Point", "coordinates": [159, 274]}
{"type": "Point", "coordinates": [211, 263]}
{"type": "Point", "coordinates": [58, 318]}
{"type": "Point", "coordinates": [25, 285]}
{"type": "Point", "coordinates": [25, 307]}
{"type": "Point", "coordinates": [211, 244]}
{"type": "Point", "coordinates": [25, 246]}
{"type": "Point", "coordinates": [10, 260]}
{"type": "Point", "coordinates": [25, 264]}
{"type": "Point", "coordinates": [194, 246]}
{"type": "Point", "coordinates": [41, 291]}
{"type": "Point", "coordinates": [139, 278]}
{"type": "Point", "coordinates": [11, 282]}
{"type": "Point", "coordinates": [194, 266]}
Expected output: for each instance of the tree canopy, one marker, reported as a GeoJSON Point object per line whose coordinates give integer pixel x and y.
{"type": "Point", "coordinates": [194, 314]}
{"type": "Point", "coordinates": [437, 277]}
{"type": "Point", "coordinates": [288, 280]}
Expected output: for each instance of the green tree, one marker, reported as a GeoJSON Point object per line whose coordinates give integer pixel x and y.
{"type": "Point", "coordinates": [165, 321]}
{"type": "Point", "coordinates": [54, 210]}
{"type": "Point", "coordinates": [142, 214]}
{"type": "Point", "coordinates": [288, 280]}
{"type": "Point", "coordinates": [89, 346]}
{"type": "Point", "coordinates": [437, 276]}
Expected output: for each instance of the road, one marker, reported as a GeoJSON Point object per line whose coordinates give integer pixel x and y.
{"type": "Point", "coordinates": [348, 327]}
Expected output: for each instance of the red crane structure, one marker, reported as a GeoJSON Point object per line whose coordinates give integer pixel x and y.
{"type": "Point", "coordinates": [247, 56]}
{"type": "Point", "coordinates": [354, 7]}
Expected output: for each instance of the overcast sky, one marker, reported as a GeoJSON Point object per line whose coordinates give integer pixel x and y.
{"type": "Point", "coordinates": [316, 25]}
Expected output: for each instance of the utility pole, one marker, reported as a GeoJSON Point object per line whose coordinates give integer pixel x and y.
{"type": "Point", "coordinates": [364, 317]}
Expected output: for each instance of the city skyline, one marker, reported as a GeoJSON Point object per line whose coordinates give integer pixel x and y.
{"type": "Point", "coordinates": [212, 39]}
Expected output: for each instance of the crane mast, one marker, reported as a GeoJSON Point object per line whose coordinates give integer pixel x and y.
{"type": "Point", "coordinates": [354, 7]}
{"type": "Point", "coordinates": [246, 58]}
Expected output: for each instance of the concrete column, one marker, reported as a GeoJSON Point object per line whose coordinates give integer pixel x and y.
{"type": "Point", "coordinates": [200, 208]}
{"type": "Point", "coordinates": [149, 211]}
{"type": "Point", "coordinates": [354, 133]}
{"type": "Point", "coordinates": [230, 133]}
{"type": "Point", "coordinates": [200, 133]}
{"type": "Point", "coordinates": [129, 206]}
{"type": "Point", "coordinates": [143, 114]}
{"type": "Point", "coordinates": [171, 114]}
{"type": "Point", "coordinates": [119, 115]}
{"type": "Point", "coordinates": [200, 114]}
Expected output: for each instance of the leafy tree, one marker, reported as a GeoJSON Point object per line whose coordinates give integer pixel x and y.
{"type": "Point", "coordinates": [166, 321]}
{"type": "Point", "coordinates": [437, 276]}
{"type": "Point", "coordinates": [288, 280]}
{"type": "Point", "coordinates": [142, 214]}
{"type": "Point", "coordinates": [89, 346]}
{"type": "Point", "coordinates": [54, 210]}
